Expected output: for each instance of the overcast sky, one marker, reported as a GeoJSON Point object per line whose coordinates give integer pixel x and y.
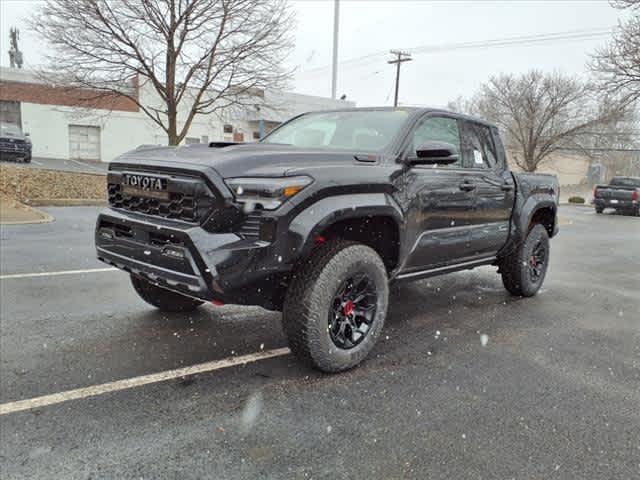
{"type": "Point", "coordinates": [374, 27]}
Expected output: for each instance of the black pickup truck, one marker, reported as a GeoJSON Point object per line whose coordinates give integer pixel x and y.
{"type": "Point", "coordinates": [621, 194]}
{"type": "Point", "coordinates": [321, 215]}
{"type": "Point", "coordinates": [14, 144]}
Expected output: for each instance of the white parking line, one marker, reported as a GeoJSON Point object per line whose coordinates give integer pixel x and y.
{"type": "Point", "coordinates": [21, 405]}
{"type": "Point", "coordinates": [54, 274]}
{"type": "Point", "coordinates": [36, 162]}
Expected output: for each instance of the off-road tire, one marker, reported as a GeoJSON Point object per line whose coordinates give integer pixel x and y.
{"type": "Point", "coordinates": [310, 297]}
{"type": "Point", "coordinates": [163, 299]}
{"type": "Point", "coordinates": [514, 268]}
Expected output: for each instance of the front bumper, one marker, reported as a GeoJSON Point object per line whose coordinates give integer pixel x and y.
{"type": "Point", "coordinates": [189, 260]}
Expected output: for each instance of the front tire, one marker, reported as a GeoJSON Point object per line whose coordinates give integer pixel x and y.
{"type": "Point", "coordinates": [163, 299]}
{"type": "Point", "coordinates": [599, 209]}
{"type": "Point", "coordinates": [523, 271]}
{"type": "Point", "coordinates": [336, 305]}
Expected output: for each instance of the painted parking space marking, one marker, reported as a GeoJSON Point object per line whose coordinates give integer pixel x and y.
{"type": "Point", "coordinates": [55, 274]}
{"type": "Point", "coordinates": [118, 385]}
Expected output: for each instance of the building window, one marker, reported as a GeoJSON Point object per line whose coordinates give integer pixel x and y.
{"type": "Point", "coordinates": [228, 128]}
{"type": "Point", "coordinates": [191, 140]}
{"type": "Point", "coordinates": [256, 135]}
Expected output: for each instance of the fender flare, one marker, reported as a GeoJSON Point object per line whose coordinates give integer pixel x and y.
{"type": "Point", "coordinates": [532, 205]}
{"type": "Point", "coordinates": [304, 228]}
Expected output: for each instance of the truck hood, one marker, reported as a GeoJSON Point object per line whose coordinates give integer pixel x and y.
{"type": "Point", "coordinates": [257, 159]}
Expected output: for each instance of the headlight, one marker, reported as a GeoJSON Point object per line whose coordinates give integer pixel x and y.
{"type": "Point", "coordinates": [266, 193]}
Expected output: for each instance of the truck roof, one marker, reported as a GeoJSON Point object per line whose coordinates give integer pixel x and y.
{"type": "Point", "coordinates": [415, 112]}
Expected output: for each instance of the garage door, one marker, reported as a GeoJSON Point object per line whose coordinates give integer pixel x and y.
{"type": "Point", "coordinates": [84, 142]}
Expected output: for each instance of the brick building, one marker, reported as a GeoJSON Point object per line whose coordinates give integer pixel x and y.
{"type": "Point", "coordinates": [78, 124]}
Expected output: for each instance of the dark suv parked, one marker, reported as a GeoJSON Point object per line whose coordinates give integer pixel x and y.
{"type": "Point", "coordinates": [14, 145]}
{"type": "Point", "coordinates": [317, 218]}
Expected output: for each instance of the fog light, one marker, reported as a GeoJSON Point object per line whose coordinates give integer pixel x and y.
{"type": "Point", "coordinates": [173, 252]}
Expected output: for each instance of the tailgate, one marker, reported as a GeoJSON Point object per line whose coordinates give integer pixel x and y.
{"type": "Point", "coordinates": [617, 193]}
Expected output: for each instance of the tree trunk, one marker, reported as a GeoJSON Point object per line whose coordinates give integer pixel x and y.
{"type": "Point", "coordinates": [172, 133]}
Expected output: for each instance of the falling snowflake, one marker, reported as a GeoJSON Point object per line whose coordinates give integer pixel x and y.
{"type": "Point", "coordinates": [251, 411]}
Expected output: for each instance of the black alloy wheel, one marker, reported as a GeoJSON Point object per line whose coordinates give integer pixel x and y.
{"type": "Point", "coordinates": [537, 261]}
{"type": "Point", "coordinates": [353, 311]}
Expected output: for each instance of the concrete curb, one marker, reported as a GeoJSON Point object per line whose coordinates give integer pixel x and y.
{"type": "Point", "coordinates": [68, 202]}
{"type": "Point", "coordinates": [46, 218]}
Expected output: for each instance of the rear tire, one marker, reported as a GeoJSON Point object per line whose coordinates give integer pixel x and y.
{"type": "Point", "coordinates": [523, 271]}
{"type": "Point", "coordinates": [163, 299]}
{"type": "Point", "coordinates": [599, 209]}
{"type": "Point", "coordinates": [336, 305]}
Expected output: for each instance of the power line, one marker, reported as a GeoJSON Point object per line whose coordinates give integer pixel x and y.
{"type": "Point", "coordinates": [401, 57]}
{"type": "Point", "coordinates": [598, 149]}
{"type": "Point", "coordinates": [522, 40]}
{"type": "Point", "coordinates": [499, 42]}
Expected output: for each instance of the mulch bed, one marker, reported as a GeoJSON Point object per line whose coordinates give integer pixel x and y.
{"type": "Point", "coordinates": [30, 185]}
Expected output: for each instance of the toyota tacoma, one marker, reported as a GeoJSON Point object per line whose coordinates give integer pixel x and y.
{"type": "Point", "coordinates": [321, 215]}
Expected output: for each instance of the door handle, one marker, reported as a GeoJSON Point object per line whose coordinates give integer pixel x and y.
{"type": "Point", "coordinates": [506, 187]}
{"type": "Point", "coordinates": [467, 186]}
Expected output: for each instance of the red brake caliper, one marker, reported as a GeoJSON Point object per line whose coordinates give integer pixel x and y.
{"type": "Point", "coordinates": [348, 308]}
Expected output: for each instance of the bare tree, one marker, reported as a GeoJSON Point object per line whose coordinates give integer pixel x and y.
{"type": "Point", "coordinates": [199, 56]}
{"type": "Point", "coordinates": [542, 113]}
{"type": "Point", "coordinates": [618, 63]}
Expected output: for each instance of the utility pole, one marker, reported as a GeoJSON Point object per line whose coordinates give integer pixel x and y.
{"type": "Point", "coordinates": [334, 73]}
{"type": "Point", "coordinates": [400, 58]}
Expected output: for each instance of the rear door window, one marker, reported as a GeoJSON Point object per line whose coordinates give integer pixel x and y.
{"type": "Point", "coordinates": [478, 149]}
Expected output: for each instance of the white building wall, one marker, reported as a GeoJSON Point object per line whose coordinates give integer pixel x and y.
{"type": "Point", "coordinates": [122, 131]}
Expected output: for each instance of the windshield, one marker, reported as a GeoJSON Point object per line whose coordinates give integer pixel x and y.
{"type": "Point", "coordinates": [10, 129]}
{"type": "Point", "coordinates": [626, 181]}
{"type": "Point", "coordinates": [364, 130]}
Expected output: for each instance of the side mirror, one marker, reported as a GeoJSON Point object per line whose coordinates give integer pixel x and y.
{"type": "Point", "coordinates": [435, 152]}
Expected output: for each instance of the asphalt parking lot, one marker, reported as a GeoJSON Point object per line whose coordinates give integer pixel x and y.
{"type": "Point", "coordinates": [554, 392]}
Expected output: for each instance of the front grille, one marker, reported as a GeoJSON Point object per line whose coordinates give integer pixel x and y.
{"type": "Point", "coordinates": [13, 145]}
{"type": "Point", "coordinates": [178, 206]}
{"type": "Point", "coordinates": [188, 199]}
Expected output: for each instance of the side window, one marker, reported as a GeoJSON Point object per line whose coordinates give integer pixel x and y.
{"type": "Point", "coordinates": [478, 149]}
{"type": "Point", "coordinates": [441, 129]}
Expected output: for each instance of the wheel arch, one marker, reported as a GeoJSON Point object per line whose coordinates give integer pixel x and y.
{"type": "Point", "coordinates": [539, 210]}
{"type": "Point", "coordinates": [373, 219]}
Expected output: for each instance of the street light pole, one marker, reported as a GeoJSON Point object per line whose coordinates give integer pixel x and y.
{"type": "Point", "coordinates": [334, 73]}
{"type": "Point", "coordinates": [400, 58]}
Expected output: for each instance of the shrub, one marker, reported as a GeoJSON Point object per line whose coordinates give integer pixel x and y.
{"type": "Point", "coordinates": [576, 200]}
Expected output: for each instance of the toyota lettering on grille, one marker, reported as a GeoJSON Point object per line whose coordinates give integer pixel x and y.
{"type": "Point", "coordinates": [145, 186]}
